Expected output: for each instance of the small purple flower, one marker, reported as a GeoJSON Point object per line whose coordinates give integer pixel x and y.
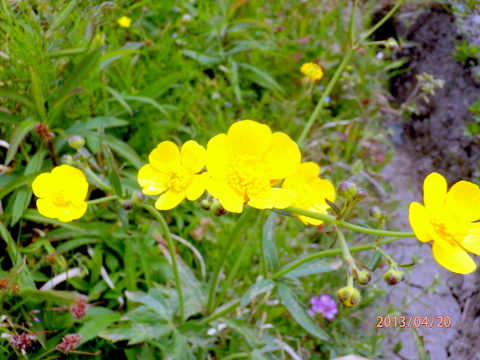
{"type": "Point", "coordinates": [324, 305]}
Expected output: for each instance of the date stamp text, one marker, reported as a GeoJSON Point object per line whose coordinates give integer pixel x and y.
{"type": "Point", "coordinates": [414, 321]}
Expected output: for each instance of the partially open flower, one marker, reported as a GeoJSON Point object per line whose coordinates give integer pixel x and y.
{"type": "Point", "coordinates": [450, 220]}
{"type": "Point", "coordinates": [244, 164]}
{"type": "Point", "coordinates": [61, 193]}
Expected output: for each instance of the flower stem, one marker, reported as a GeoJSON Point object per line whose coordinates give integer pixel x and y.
{"type": "Point", "coordinates": [96, 180]}
{"type": "Point", "coordinates": [333, 220]}
{"type": "Point", "coordinates": [103, 199]}
{"type": "Point", "coordinates": [347, 257]}
{"type": "Point", "coordinates": [240, 355]}
{"type": "Point", "coordinates": [224, 309]}
{"type": "Point", "coordinates": [295, 264]}
{"type": "Point", "coordinates": [382, 21]}
{"type": "Point", "coordinates": [171, 248]}
{"type": "Point", "coordinates": [237, 230]}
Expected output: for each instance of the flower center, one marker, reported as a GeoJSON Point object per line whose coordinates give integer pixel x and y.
{"type": "Point", "coordinates": [177, 178]}
{"type": "Point", "coordinates": [451, 228]}
{"type": "Point", "coordinates": [248, 175]}
{"type": "Point", "coordinates": [59, 198]}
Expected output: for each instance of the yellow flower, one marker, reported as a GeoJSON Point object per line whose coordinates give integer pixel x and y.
{"type": "Point", "coordinates": [125, 21]}
{"type": "Point", "coordinates": [173, 173]}
{"type": "Point", "coordinates": [449, 219]}
{"type": "Point", "coordinates": [61, 193]}
{"type": "Point", "coordinates": [244, 164]}
{"type": "Point", "coordinates": [312, 70]}
{"type": "Point", "coordinates": [311, 191]}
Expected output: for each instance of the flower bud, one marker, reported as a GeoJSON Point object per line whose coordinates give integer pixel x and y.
{"type": "Point", "coordinates": [205, 204]}
{"type": "Point", "coordinates": [375, 212]}
{"type": "Point", "coordinates": [127, 205]}
{"type": "Point", "coordinates": [346, 190]}
{"type": "Point", "coordinates": [363, 277]}
{"type": "Point", "coordinates": [393, 277]}
{"type": "Point", "coordinates": [67, 159]}
{"type": "Point", "coordinates": [76, 142]}
{"type": "Point", "coordinates": [138, 197]}
{"type": "Point", "coordinates": [218, 209]}
{"type": "Point", "coordinates": [360, 195]}
{"type": "Point", "coordinates": [349, 296]}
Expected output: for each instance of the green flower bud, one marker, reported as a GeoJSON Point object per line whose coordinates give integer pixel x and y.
{"type": "Point", "coordinates": [349, 296]}
{"type": "Point", "coordinates": [67, 160]}
{"type": "Point", "coordinates": [205, 204]}
{"type": "Point", "coordinates": [76, 142]}
{"type": "Point", "coordinates": [393, 277]}
{"type": "Point", "coordinates": [375, 212]}
{"type": "Point", "coordinates": [360, 195]}
{"type": "Point", "coordinates": [347, 190]}
{"type": "Point", "coordinates": [138, 197]}
{"type": "Point", "coordinates": [218, 209]}
{"type": "Point", "coordinates": [363, 277]}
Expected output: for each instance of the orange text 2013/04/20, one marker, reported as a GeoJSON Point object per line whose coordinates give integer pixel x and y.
{"type": "Point", "coordinates": [414, 321]}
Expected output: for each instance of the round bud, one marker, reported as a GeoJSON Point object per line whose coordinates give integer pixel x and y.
{"type": "Point", "coordinates": [138, 197]}
{"type": "Point", "coordinates": [76, 142]}
{"type": "Point", "coordinates": [67, 160]}
{"type": "Point", "coordinates": [127, 205]}
{"type": "Point", "coordinates": [346, 190]}
{"type": "Point", "coordinates": [218, 209]}
{"type": "Point", "coordinates": [375, 212]}
{"type": "Point", "coordinates": [363, 277]}
{"type": "Point", "coordinates": [205, 204]}
{"type": "Point", "coordinates": [349, 296]}
{"type": "Point", "coordinates": [393, 277]}
{"type": "Point", "coordinates": [360, 195]}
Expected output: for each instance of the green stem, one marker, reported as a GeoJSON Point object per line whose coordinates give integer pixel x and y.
{"type": "Point", "coordinates": [237, 230]}
{"type": "Point", "coordinates": [171, 249]}
{"type": "Point", "coordinates": [333, 220]}
{"type": "Point", "coordinates": [382, 21]}
{"type": "Point", "coordinates": [103, 199]}
{"type": "Point", "coordinates": [295, 264]}
{"type": "Point", "coordinates": [240, 355]}
{"type": "Point", "coordinates": [351, 27]}
{"type": "Point", "coordinates": [392, 262]}
{"type": "Point", "coordinates": [347, 257]}
{"type": "Point", "coordinates": [225, 309]}
{"type": "Point", "coordinates": [96, 180]}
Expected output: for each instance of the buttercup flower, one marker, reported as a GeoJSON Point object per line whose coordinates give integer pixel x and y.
{"type": "Point", "coordinates": [125, 21]}
{"type": "Point", "coordinates": [173, 173]}
{"type": "Point", "coordinates": [311, 191]}
{"type": "Point", "coordinates": [449, 220]}
{"type": "Point", "coordinates": [324, 305]}
{"type": "Point", "coordinates": [244, 164]}
{"type": "Point", "coordinates": [312, 71]}
{"type": "Point", "coordinates": [61, 193]}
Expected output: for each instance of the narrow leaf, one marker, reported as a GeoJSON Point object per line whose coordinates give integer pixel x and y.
{"type": "Point", "coordinates": [298, 312]}
{"type": "Point", "coordinates": [18, 135]}
{"type": "Point", "coordinates": [12, 95]}
{"type": "Point", "coordinates": [117, 96]}
{"type": "Point", "coordinates": [256, 289]}
{"type": "Point", "coordinates": [315, 266]}
{"type": "Point", "coordinates": [269, 247]}
{"type": "Point", "coordinates": [37, 94]}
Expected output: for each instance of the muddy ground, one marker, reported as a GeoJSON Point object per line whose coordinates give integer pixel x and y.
{"type": "Point", "coordinates": [434, 140]}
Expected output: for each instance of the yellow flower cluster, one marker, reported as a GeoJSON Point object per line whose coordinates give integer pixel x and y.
{"type": "Point", "coordinates": [450, 220]}
{"type": "Point", "coordinates": [242, 167]}
{"type": "Point", "coordinates": [313, 71]}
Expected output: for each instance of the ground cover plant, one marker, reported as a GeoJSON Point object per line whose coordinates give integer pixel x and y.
{"type": "Point", "coordinates": [199, 180]}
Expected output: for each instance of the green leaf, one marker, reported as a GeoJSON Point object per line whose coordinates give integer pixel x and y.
{"type": "Point", "coordinates": [115, 55]}
{"type": "Point", "coordinates": [315, 266]}
{"type": "Point", "coordinates": [178, 349]}
{"type": "Point", "coordinates": [37, 94]}
{"type": "Point", "coordinates": [61, 17]}
{"type": "Point", "coordinates": [35, 216]}
{"type": "Point", "coordinates": [135, 333]}
{"type": "Point", "coordinates": [123, 150]}
{"type": "Point", "coordinates": [18, 136]}
{"type": "Point", "coordinates": [97, 320]}
{"type": "Point", "coordinates": [256, 289]}
{"type": "Point", "coordinates": [261, 78]}
{"type": "Point", "coordinates": [245, 330]}
{"type": "Point", "coordinates": [299, 313]}
{"type": "Point", "coordinates": [207, 60]}
{"type": "Point", "coordinates": [420, 345]}
{"type": "Point", "coordinates": [148, 100]}
{"type": "Point", "coordinates": [79, 73]}
{"type": "Point", "coordinates": [269, 247]}
{"type": "Point", "coordinates": [95, 123]}
{"type": "Point", "coordinates": [12, 95]}
{"type": "Point", "coordinates": [11, 245]}
{"type": "Point", "coordinates": [158, 303]}
{"type": "Point", "coordinates": [55, 296]}
{"type": "Point", "coordinates": [8, 119]}
{"type": "Point", "coordinates": [121, 100]}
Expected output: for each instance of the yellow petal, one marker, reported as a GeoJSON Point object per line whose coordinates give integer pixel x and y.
{"type": "Point", "coordinates": [273, 198]}
{"type": "Point", "coordinates": [249, 137]}
{"type": "Point", "coordinates": [472, 240]}
{"type": "Point", "coordinates": [434, 192]}
{"type": "Point", "coordinates": [219, 155]}
{"type": "Point", "coordinates": [169, 200]}
{"type": "Point", "coordinates": [420, 222]}
{"type": "Point", "coordinates": [72, 212]}
{"type": "Point", "coordinates": [464, 200]}
{"type": "Point", "coordinates": [282, 156]}
{"type": "Point", "coordinates": [231, 200]}
{"type": "Point", "coordinates": [193, 157]}
{"type": "Point", "coordinates": [312, 221]}
{"type": "Point", "coordinates": [454, 259]}
{"type": "Point", "coordinates": [73, 182]}
{"type": "Point", "coordinates": [196, 188]}
{"type": "Point", "coordinates": [165, 155]}
{"type": "Point", "coordinates": [42, 185]}
{"type": "Point", "coordinates": [151, 180]}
